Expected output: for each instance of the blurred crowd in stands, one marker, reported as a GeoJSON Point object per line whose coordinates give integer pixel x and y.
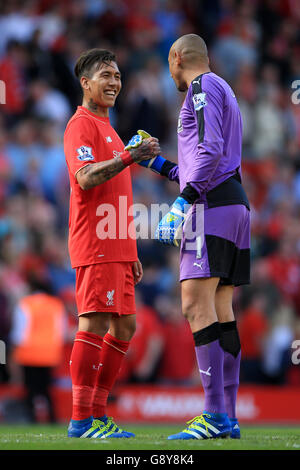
{"type": "Point", "coordinates": [255, 46]}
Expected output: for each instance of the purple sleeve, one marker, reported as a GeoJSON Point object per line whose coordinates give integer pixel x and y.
{"type": "Point", "coordinates": [206, 102]}
{"type": "Point", "coordinates": [173, 174]}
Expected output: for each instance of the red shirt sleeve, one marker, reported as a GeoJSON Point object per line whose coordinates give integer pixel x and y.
{"type": "Point", "coordinates": [80, 144]}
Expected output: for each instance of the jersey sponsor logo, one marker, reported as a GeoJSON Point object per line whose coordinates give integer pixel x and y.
{"type": "Point", "coordinates": [85, 153]}
{"type": "Point", "coordinates": [199, 101]}
{"type": "Point", "coordinates": [108, 139]}
{"type": "Point", "coordinates": [179, 125]}
{"type": "Point", "coordinates": [110, 297]}
{"type": "Point", "coordinates": [116, 153]}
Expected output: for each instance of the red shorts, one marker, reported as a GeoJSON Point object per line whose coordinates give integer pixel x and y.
{"type": "Point", "coordinates": [105, 287]}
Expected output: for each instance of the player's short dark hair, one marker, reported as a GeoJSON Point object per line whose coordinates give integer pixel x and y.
{"type": "Point", "coordinates": [88, 61]}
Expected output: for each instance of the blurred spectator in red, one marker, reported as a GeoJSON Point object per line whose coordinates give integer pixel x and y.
{"type": "Point", "coordinates": [12, 74]}
{"type": "Point", "coordinates": [178, 363]}
{"type": "Point", "coordinates": [283, 269]}
{"type": "Point", "coordinates": [253, 326]}
{"type": "Point", "coordinates": [145, 350]}
{"type": "Point", "coordinates": [142, 31]}
{"type": "Point", "coordinates": [246, 92]}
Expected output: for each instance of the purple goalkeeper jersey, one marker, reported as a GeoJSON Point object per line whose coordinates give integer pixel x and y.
{"type": "Point", "coordinates": [209, 136]}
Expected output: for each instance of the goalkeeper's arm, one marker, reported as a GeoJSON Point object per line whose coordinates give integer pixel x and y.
{"type": "Point", "coordinates": [162, 166]}
{"type": "Point", "coordinates": [169, 230]}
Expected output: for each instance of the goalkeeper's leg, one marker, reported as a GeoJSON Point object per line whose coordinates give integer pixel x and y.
{"type": "Point", "coordinates": [198, 305]}
{"type": "Point", "coordinates": [232, 353]}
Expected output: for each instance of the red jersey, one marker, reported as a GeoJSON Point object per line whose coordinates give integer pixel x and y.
{"type": "Point", "coordinates": [100, 229]}
{"type": "Point", "coordinates": [253, 327]}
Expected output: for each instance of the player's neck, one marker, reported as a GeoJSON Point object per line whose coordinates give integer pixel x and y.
{"type": "Point", "coordinates": [94, 108]}
{"type": "Point", "coordinates": [190, 75]}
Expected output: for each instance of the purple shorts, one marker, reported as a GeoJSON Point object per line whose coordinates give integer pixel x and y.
{"type": "Point", "coordinates": [218, 245]}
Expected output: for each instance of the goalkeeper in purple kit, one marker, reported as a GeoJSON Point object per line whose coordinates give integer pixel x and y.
{"type": "Point", "coordinates": [214, 254]}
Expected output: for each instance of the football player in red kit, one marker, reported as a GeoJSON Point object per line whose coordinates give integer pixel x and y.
{"type": "Point", "coordinates": [106, 262]}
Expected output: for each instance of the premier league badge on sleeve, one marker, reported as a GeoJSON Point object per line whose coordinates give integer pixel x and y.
{"type": "Point", "coordinates": [199, 101]}
{"type": "Point", "coordinates": [85, 153]}
{"type": "Point", "coordinates": [179, 125]}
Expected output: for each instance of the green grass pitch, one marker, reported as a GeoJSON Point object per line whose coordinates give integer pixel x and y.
{"type": "Point", "coordinates": [148, 437]}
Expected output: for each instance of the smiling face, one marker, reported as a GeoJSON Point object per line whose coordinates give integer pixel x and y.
{"type": "Point", "coordinates": [103, 86]}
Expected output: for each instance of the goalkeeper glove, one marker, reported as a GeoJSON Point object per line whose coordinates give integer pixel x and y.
{"type": "Point", "coordinates": [154, 163]}
{"type": "Point", "coordinates": [134, 142]}
{"type": "Point", "coordinates": [169, 230]}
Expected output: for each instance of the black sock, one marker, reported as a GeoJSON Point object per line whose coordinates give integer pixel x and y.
{"type": "Point", "coordinates": [229, 338]}
{"type": "Point", "coordinates": [207, 335]}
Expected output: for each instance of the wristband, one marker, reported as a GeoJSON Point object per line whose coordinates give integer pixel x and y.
{"type": "Point", "coordinates": [126, 158]}
{"type": "Point", "coordinates": [155, 164]}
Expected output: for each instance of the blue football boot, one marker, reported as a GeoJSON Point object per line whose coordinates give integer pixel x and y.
{"type": "Point", "coordinates": [206, 426]}
{"type": "Point", "coordinates": [235, 429]}
{"type": "Point", "coordinates": [96, 429]}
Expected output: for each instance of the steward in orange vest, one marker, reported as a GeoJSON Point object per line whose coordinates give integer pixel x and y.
{"type": "Point", "coordinates": [38, 333]}
{"type": "Point", "coordinates": [37, 340]}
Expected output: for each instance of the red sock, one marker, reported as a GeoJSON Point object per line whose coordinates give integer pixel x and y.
{"type": "Point", "coordinates": [112, 355]}
{"type": "Point", "coordinates": [84, 364]}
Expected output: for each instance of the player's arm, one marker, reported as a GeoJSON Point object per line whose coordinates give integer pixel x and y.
{"type": "Point", "coordinates": [157, 164]}
{"type": "Point", "coordinates": [206, 102]}
{"type": "Point", "coordinates": [208, 109]}
{"type": "Point", "coordinates": [94, 174]}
